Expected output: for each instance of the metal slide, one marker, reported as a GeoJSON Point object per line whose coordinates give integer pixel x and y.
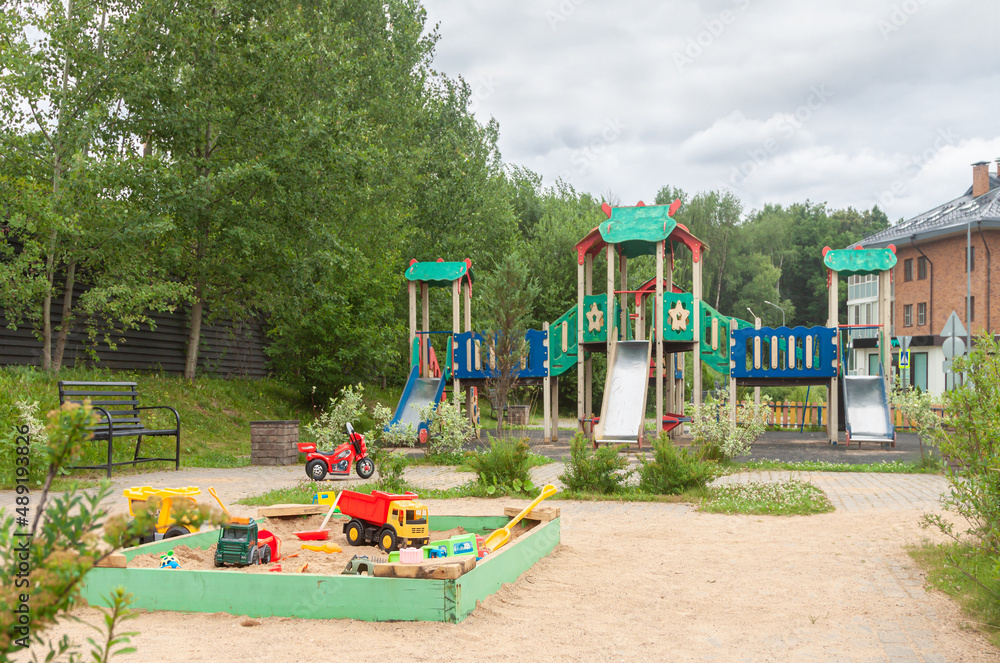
{"type": "Point", "coordinates": [419, 393]}
{"type": "Point", "coordinates": [866, 410]}
{"type": "Point", "coordinates": [623, 411]}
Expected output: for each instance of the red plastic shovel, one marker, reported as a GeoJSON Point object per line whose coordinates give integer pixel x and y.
{"type": "Point", "coordinates": [322, 533]}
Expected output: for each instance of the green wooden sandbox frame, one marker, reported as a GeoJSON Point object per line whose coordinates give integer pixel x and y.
{"type": "Point", "coordinates": [315, 596]}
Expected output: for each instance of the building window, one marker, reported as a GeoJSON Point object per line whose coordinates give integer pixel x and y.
{"type": "Point", "coordinates": [972, 309]}
{"type": "Point", "coordinates": [921, 268]}
{"type": "Point", "coordinates": [921, 314]}
{"type": "Point", "coordinates": [857, 315]}
{"type": "Point", "coordinates": [908, 269]}
{"type": "Point", "coordinates": [971, 262]}
{"type": "Point", "coordinates": [908, 315]}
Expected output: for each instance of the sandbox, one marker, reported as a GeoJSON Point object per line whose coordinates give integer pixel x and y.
{"type": "Point", "coordinates": [326, 595]}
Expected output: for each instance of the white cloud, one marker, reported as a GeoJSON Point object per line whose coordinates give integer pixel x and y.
{"type": "Point", "coordinates": [891, 92]}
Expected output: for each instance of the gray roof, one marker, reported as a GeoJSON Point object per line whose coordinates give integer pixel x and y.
{"type": "Point", "coordinates": [943, 220]}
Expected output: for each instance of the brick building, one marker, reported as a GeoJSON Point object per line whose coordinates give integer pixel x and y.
{"type": "Point", "coordinates": [931, 280]}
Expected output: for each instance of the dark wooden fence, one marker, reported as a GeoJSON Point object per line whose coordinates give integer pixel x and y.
{"type": "Point", "coordinates": [228, 349]}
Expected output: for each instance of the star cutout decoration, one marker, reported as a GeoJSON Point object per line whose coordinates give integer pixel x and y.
{"type": "Point", "coordinates": [595, 319]}
{"type": "Point", "coordinates": [678, 316]}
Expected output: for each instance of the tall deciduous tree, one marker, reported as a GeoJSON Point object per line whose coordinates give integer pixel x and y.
{"type": "Point", "coordinates": [507, 296]}
{"type": "Point", "coordinates": [61, 145]}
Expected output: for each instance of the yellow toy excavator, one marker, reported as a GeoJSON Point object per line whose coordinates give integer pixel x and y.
{"type": "Point", "coordinates": [166, 526]}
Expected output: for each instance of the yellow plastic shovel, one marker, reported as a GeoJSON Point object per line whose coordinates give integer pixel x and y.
{"type": "Point", "coordinates": [502, 535]}
{"type": "Point", "coordinates": [325, 548]}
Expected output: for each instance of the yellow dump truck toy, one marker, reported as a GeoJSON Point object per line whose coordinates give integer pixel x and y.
{"type": "Point", "coordinates": [166, 526]}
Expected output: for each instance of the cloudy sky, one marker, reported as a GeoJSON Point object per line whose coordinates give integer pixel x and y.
{"type": "Point", "coordinates": [850, 102]}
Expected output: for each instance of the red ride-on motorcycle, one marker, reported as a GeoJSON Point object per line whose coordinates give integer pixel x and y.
{"type": "Point", "coordinates": [338, 462]}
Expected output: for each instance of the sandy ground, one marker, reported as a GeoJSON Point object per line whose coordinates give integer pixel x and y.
{"type": "Point", "coordinates": [638, 582]}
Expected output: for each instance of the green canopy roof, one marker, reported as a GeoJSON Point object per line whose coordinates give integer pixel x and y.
{"type": "Point", "coordinates": [438, 274]}
{"type": "Point", "coordinates": [638, 229]}
{"type": "Point", "coordinates": [860, 261]}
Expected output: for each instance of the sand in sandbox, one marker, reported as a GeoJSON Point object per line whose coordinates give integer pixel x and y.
{"type": "Point", "coordinates": [319, 562]}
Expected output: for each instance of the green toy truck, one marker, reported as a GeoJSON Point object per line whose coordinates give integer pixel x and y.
{"type": "Point", "coordinates": [240, 545]}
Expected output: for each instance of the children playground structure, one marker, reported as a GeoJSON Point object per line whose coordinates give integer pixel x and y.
{"type": "Point", "coordinates": [644, 332]}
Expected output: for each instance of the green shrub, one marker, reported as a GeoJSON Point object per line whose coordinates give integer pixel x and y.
{"type": "Point", "coordinates": [672, 471]}
{"type": "Point", "coordinates": [448, 431]}
{"type": "Point", "coordinates": [391, 466]}
{"type": "Point", "coordinates": [64, 536]}
{"type": "Point", "coordinates": [329, 428]}
{"type": "Point", "coordinates": [717, 437]}
{"type": "Point", "coordinates": [971, 438]}
{"type": "Point", "coordinates": [505, 463]}
{"type": "Point", "coordinates": [601, 470]}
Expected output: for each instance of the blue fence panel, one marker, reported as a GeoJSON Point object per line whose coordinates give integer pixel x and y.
{"type": "Point", "coordinates": [472, 360]}
{"type": "Point", "coordinates": [801, 352]}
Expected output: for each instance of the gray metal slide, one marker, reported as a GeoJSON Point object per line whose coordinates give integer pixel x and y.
{"type": "Point", "coordinates": [425, 391]}
{"type": "Point", "coordinates": [419, 393]}
{"type": "Point", "coordinates": [866, 410]}
{"type": "Point", "coordinates": [624, 408]}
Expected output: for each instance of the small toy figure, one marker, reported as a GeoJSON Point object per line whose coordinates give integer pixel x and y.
{"type": "Point", "coordinates": [169, 561]}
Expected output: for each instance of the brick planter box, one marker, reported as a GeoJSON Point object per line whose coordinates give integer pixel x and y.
{"type": "Point", "coordinates": [274, 442]}
{"type": "Point", "coordinates": [517, 415]}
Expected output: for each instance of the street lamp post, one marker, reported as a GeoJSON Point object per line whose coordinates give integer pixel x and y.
{"type": "Point", "coordinates": [780, 309]}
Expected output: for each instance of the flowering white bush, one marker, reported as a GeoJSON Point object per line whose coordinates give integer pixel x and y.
{"type": "Point", "coordinates": [329, 427]}
{"type": "Point", "coordinates": [712, 428]}
{"type": "Point", "coordinates": [449, 427]}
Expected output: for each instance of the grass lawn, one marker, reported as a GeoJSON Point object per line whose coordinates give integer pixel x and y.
{"type": "Point", "coordinates": [215, 415]}
{"type": "Point", "coordinates": [969, 578]}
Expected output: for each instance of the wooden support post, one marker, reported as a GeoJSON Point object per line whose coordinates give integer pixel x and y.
{"type": "Point", "coordinates": [581, 383]}
{"type": "Point", "coordinates": [411, 286]}
{"type": "Point", "coordinates": [756, 390]}
{"type": "Point", "coordinates": [732, 380]}
{"type": "Point", "coordinates": [609, 319]}
{"type": "Point", "coordinates": [696, 319]}
{"type": "Point", "coordinates": [546, 391]}
{"type": "Point", "coordinates": [470, 409]}
{"type": "Point", "coordinates": [554, 398]}
{"type": "Point", "coordinates": [623, 279]}
{"type": "Point", "coordinates": [589, 364]}
{"type": "Point", "coordinates": [833, 319]}
{"type": "Point", "coordinates": [456, 328]}
{"type": "Point", "coordinates": [425, 339]}
{"type": "Point", "coordinates": [884, 310]}
{"type": "Point", "coordinates": [658, 335]}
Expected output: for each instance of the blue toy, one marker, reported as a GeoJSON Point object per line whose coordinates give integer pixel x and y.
{"type": "Point", "coordinates": [169, 561]}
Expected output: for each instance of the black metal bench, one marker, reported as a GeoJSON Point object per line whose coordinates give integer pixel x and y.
{"type": "Point", "coordinates": [117, 404]}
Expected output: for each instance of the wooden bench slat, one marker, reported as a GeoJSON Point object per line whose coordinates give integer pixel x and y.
{"type": "Point", "coordinates": [75, 383]}
{"type": "Point", "coordinates": [132, 405]}
{"type": "Point", "coordinates": [103, 435]}
{"type": "Point", "coordinates": [103, 394]}
{"type": "Point", "coordinates": [118, 423]}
